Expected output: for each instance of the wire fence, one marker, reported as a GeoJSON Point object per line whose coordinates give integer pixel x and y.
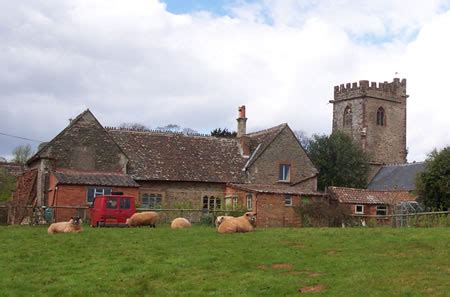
{"type": "Point", "coordinates": [418, 219]}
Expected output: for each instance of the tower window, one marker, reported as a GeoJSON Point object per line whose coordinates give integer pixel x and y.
{"type": "Point", "coordinates": [348, 117]}
{"type": "Point", "coordinates": [381, 120]}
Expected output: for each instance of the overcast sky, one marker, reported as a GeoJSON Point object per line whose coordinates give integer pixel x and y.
{"type": "Point", "coordinates": [193, 63]}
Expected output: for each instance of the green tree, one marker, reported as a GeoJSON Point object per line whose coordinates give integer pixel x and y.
{"type": "Point", "coordinates": [433, 184]}
{"type": "Point", "coordinates": [7, 184]}
{"type": "Point", "coordinates": [22, 153]}
{"type": "Point", "coordinates": [340, 162]}
{"type": "Point", "coordinates": [219, 132]}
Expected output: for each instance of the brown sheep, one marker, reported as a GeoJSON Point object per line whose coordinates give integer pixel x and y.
{"type": "Point", "coordinates": [244, 223]}
{"type": "Point", "coordinates": [73, 225]}
{"type": "Point", "coordinates": [180, 223]}
{"type": "Point", "coordinates": [220, 219]}
{"type": "Point", "coordinates": [147, 218]}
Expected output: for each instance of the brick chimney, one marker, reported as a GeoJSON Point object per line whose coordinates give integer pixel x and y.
{"type": "Point", "coordinates": [241, 122]}
{"type": "Point", "coordinates": [244, 140]}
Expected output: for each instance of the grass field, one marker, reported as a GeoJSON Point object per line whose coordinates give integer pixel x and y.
{"type": "Point", "coordinates": [201, 262]}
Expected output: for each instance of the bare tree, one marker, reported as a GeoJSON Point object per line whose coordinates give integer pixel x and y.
{"type": "Point", "coordinates": [170, 128]}
{"type": "Point", "coordinates": [134, 126]}
{"type": "Point", "coordinates": [303, 138]}
{"type": "Point", "coordinates": [22, 153]}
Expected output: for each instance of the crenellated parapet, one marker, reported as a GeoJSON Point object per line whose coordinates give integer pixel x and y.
{"type": "Point", "coordinates": [393, 91]}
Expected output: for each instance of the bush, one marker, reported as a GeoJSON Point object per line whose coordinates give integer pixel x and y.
{"type": "Point", "coordinates": [323, 214]}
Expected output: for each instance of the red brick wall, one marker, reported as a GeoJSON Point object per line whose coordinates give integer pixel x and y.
{"type": "Point", "coordinates": [75, 197]}
{"type": "Point", "coordinates": [271, 211]}
{"type": "Point", "coordinates": [270, 208]}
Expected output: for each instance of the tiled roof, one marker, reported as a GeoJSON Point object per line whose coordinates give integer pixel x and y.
{"type": "Point", "coordinates": [273, 189]}
{"type": "Point", "coordinates": [95, 179]}
{"type": "Point", "coordinates": [177, 157]}
{"type": "Point", "coordinates": [363, 196]}
{"type": "Point", "coordinates": [260, 140]}
{"type": "Point", "coordinates": [396, 177]}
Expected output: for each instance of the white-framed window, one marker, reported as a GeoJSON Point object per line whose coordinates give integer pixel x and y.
{"type": "Point", "coordinates": [249, 201]}
{"type": "Point", "coordinates": [381, 210]}
{"type": "Point", "coordinates": [231, 202]}
{"type": "Point", "coordinates": [287, 200]}
{"type": "Point", "coordinates": [211, 203]}
{"type": "Point", "coordinates": [151, 200]}
{"type": "Point", "coordinates": [359, 209]}
{"type": "Point", "coordinates": [285, 172]}
{"type": "Point", "coordinates": [96, 191]}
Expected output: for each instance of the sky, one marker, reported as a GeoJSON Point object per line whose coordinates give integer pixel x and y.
{"type": "Point", "coordinates": [192, 63]}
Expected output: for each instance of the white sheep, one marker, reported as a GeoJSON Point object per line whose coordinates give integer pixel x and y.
{"type": "Point", "coordinates": [180, 223]}
{"type": "Point", "coordinates": [244, 223]}
{"type": "Point", "coordinates": [147, 218]}
{"type": "Point", "coordinates": [73, 225]}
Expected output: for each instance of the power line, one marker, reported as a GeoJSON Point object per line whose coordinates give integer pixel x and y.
{"type": "Point", "coordinates": [14, 136]}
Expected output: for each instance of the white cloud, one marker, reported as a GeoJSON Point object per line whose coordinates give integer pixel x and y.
{"type": "Point", "coordinates": [136, 62]}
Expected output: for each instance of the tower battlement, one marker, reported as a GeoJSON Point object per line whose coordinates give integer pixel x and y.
{"type": "Point", "coordinates": [394, 90]}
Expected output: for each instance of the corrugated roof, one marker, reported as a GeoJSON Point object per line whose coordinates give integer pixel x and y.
{"type": "Point", "coordinates": [273, 189]}
{"type": "Point", "coordinates": [95, 179]}
{"type": "Point", "coordinates": [363, 196]}
{"type": "Point", "coordinates": [396, 177]}
{"type": "Point", "coordinates": [178, 157]}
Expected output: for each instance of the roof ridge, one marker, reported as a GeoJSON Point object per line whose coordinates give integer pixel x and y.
{"type": "Point", "coordinates": [366, 190]}
{"type": "Point", "coordinates": [155, 131]}
{"type": "Point", "coordinates": [403, 164]}
{"type": "Point", "coordinates": [271, 129]}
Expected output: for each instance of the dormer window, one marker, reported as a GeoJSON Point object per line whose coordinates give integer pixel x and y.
{"type": "Point", "coordinates": [381, 117]}
{"type": "Point", "coordinates": [285, 173]}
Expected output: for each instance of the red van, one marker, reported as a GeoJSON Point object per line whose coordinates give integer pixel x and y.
{"type": "Point", "coordinates": [112, 210]}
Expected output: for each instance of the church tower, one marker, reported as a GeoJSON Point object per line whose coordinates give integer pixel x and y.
{"type": "Point", "coordinates": [375, 117]}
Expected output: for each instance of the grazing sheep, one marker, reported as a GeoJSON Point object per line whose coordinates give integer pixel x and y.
{"type": "Point", "coordinates": [73, 225]}
{"type": "Point", "coordinates": [243, 223]}
{"type": "Point", "coordinates": [180, 223]}
{"type": "Point", "coordinates": [220, 219]}
{"type": "Point", "coordinates": [147, 218]}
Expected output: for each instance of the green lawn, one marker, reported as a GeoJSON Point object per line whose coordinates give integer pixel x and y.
{"type": "Point", "coordinates": [201, 262]}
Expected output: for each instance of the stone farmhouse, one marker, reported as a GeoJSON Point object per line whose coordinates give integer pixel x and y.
{"type": "Point", "coordinates": [265, 171]}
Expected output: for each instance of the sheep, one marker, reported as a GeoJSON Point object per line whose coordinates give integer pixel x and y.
{"type": "Point", "coordinates": [180, 223]}
{"type": "Point", "coordinates": [244, 223]}
{"type": "Point", "coordinates": [220, 219]}
{"type": "Point", "coordinates": [147, 218]}
{"type": "Point", "coordinates": [72, 226]}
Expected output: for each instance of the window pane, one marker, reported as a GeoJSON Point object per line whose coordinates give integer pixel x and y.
{"type": "Point", "coordinates": [235, 202]}
{"type": "Point", "coordinates": [90, 195]}
{"type": "Point", "coordinates": [125, 203]}
{"type": "Point", "coordinates": [111, 203]}
{"type": "Point", "coordinates": [284, 172]}
{"type": "Point", "coordinates": [287, 200]}
{"type": "Point", "coordinates": [107, 191]}
{"type": "Point", "coordinates": [218, 203]}
{"type": "Point", "coordinates": [211, 202]}
{"type": "Point", "coordinates": [205, 202]}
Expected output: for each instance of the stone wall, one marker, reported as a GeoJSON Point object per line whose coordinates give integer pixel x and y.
{"type": "Point", "coordinates": [285, 149]}
{"type": "Point", "coordinates": [85, 145]}
{"type": "Point", "coordinates": [182, 194]}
